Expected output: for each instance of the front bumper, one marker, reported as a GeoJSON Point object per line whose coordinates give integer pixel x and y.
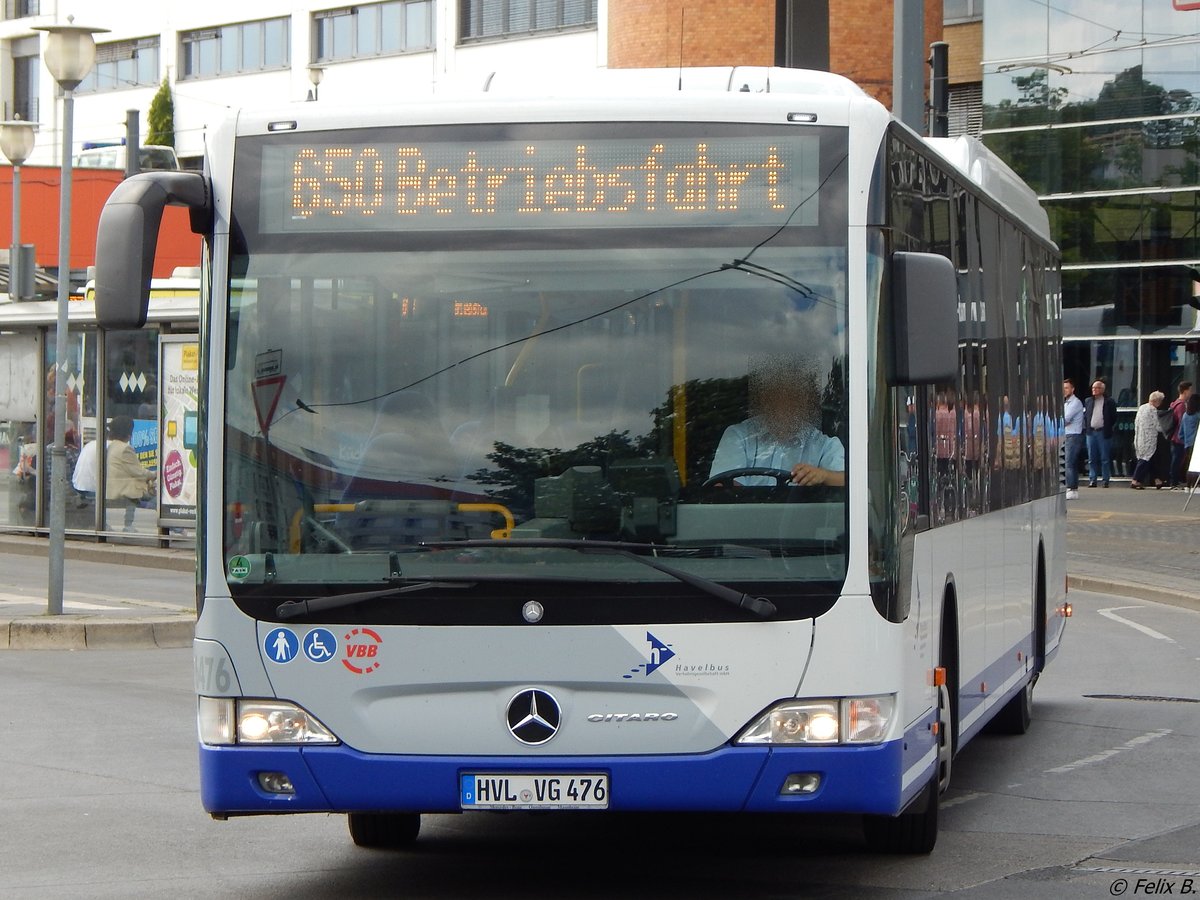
{"type": "Point", "coordinates": [728, 779]}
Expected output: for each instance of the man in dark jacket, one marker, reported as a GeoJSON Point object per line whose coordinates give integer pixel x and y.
{"type": "Point", "coordinates": [1099, 419]}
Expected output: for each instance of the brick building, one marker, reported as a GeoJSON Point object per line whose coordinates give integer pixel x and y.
{"type": "Point", "coordinates": [850, 37]}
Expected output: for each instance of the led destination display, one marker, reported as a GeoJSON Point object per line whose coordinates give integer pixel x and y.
{"type": "Point", "coordinates": [468, 185]}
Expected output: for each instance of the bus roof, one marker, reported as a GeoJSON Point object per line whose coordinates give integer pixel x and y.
{"type": "Point", "coordinates": [729, 93]}
{"type": "Point", "coordinates": [993, 175]}
{"type": "Point", "coordinates": [642, 82]}
{"type": "Point", "coordinates": [718, 93]}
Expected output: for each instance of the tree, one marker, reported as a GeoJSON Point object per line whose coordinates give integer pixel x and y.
{"type": "Point", "coordinates": [161, 118]}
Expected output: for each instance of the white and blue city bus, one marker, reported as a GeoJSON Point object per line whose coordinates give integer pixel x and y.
{"type": "Point", "coordinates": [684, 441]}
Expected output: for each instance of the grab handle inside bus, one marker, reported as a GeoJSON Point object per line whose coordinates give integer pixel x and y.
{"type": "Point", "coordinates": [128, 234]}
{"type": "Point", "coordinates": [924, 319]}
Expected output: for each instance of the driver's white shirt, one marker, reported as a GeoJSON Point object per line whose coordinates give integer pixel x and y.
{"type": "Point", "coordinates": [750, 445]}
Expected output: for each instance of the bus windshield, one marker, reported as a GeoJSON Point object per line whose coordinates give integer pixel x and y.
{"type": "Point", "coordinates": [678, 388]}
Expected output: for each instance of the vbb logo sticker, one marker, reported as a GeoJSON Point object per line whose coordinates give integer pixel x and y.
{"type": "Point", "coordinates": [362, 651]}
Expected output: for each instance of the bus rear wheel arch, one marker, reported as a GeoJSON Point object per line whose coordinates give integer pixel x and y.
{"type": "Point", "coordinates": [1016, 715]}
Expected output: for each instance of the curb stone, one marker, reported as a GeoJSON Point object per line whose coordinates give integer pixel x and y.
{"type": "Point", "coordinates": [1134, 591]}
{"type": "Point", "coordinates": [97, 633]}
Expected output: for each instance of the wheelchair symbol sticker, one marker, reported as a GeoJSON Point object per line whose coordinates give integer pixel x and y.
{"type": "Point", "coordinates": [320, 646]}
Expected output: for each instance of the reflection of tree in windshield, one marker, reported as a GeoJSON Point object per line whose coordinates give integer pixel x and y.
{"type": "Point", "coordinates": [708, 406]}
{"type": "Point", "coordinates": [517, 468]}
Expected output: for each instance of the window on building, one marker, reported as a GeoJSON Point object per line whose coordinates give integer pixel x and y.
{"type": "Point", "coordinates": [19, 9]}
{"type": "Point", "coordinates": [122, 64]}
{"type": "Point", "coordinates": [372, 29]}
{"type": "Point", "coordinates": [962, 10]}
{"type": "Point", "coordinates": [966, 109]}
{"type": "Point", "coordinates": [482, 19]}
{"type": "Point", "coordinates": [235, 49]}
{"type": "Point", "coordinates": [26, 66]}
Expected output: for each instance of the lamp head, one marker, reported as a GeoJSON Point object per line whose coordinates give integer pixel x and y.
{"type": "Point", "coordinates": [16, 140]}
{"type": "Point", "coordinates": [315, 74]}
{"type": "Point", "coordinates": [70, 51]}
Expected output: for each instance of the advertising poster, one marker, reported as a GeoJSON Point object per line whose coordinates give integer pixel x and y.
{"type": "Point", "coordinates": [178, 432]}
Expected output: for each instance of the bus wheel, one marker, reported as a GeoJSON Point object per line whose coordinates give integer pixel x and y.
{"type": "Point", "coordinates": [909, 833]}
{"type": "Point", "coordinates": [384, 831]}
{"type": "Point", "coordinates": [1017, 714]}
{"type": "Point", "coordinates": [916, 832]}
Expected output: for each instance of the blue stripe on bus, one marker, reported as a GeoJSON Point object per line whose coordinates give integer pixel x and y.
{"type": "Point", "coordinates": [338, 779]}
{"type": "Point", "coordinates": [971, 698]}
{"type": "Point", "coordinates": [918, 741]}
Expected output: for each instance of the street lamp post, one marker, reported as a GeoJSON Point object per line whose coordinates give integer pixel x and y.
{"type": "Point", "coordinates": [70, 52]}
{"type": "Point", "coordinates": [16, 142]}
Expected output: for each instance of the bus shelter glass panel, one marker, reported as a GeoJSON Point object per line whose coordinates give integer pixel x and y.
{"type": "Point", "coordinates": [20, 401]}
{"type": "Point", "coordinates": [131, 408]}
{"type": "Point", "coordinates": [74, 370]}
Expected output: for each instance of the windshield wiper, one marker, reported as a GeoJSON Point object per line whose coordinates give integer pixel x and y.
{"type": "Point", "coordinates": [759, 606]}
{"type": "Point", "coordinates": [293, 609]}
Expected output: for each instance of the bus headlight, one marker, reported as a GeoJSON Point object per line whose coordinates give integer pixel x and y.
{"type": "Point", "coordinates": [226, 720]}
{"type": "Point", "coordinates": [795, 722]}
{"type": "Point", "coordinates": [846, 720]}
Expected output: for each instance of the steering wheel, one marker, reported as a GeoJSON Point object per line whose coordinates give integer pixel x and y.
{"type": "Point", "coordinates": [782, 476]}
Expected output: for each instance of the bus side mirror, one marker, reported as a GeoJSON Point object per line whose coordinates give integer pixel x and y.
{"type": "Point", "coordinates": [924, 319]}
{"type": "Point", "coordinates": [128, 235]}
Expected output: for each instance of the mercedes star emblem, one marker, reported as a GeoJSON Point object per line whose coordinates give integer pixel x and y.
{"type": "Point", "coordinates": [533, 717]}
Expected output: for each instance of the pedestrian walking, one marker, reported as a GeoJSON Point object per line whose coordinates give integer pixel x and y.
{"type": "Point", "coordinates": [1145, 439]}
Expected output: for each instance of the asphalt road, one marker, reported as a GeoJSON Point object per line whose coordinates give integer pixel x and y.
{"type": "Point", "coordinates": [98, 798]}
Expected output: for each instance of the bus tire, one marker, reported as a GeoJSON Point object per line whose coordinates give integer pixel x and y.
{"type": "Point", "coordinates": [1017, 714]}
{"type": "Point", "coordinates": [909, 833]}
{"type": "Point", "coordinates": [916, 832]}
{"type": "Point", "coordinates": [384, 831]}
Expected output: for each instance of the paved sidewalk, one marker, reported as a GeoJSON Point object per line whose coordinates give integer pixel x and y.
{"type": "Point", "coordinates": [114, 596]}
{"type": "Point", "coordinates": [1139, 544]}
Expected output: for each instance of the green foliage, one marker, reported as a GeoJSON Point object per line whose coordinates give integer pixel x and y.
{"type": "Point", "coordinates": [709, 406]}
{"type": "Point", "coordinates": [161, 118]}
{"type": "Point", "coordinates": [517, 468]}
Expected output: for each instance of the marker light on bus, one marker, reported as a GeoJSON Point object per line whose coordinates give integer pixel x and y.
{"type": "Point", "coordinates": [850, 720]}
{"type": "Point", "coordinates": [224, 720]}
{"type": "Point", "coordinates": [867, 718]}
{"type": "Point", "coordinates": [214, 720]}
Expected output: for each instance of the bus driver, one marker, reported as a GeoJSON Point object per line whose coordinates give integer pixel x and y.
{"type": "Point", "coordinates": [782, 432]}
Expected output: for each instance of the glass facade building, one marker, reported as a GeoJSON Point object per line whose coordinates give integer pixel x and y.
{"type": "Point", "coordinates": [1097, 106]}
